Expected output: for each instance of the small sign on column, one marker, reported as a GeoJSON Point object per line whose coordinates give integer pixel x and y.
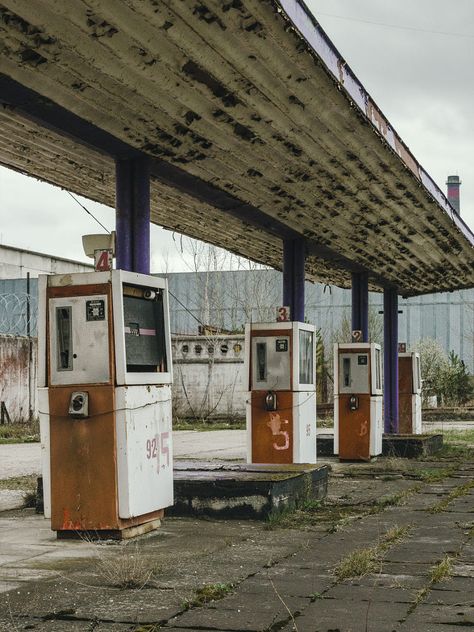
{"type": "Point", "coordinates": [283, 314]}
{"type": "Point", "coordinates": [103, 260]}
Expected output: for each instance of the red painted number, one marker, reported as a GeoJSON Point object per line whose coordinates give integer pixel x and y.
{"type": "Point", "coordinates": [157, 448]}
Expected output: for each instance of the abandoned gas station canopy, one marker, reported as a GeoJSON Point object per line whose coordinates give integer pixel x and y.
{"type": "Point", "coordinates": [256, 128]}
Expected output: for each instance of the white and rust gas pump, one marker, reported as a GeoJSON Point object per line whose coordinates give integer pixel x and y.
{"type": "Point", "coordinates": [281, 403]}
{"type": "Point", "coordinates": [105, 402]}
{"type": "Point", "coordinates": [358, 425]}
{"type": "Point", "coordinates": [409, 386]}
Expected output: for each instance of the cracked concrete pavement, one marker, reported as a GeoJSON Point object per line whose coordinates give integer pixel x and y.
{"type": "Point", "coordinates": [278, 577]}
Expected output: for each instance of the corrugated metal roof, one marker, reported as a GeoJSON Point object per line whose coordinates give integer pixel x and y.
{"type": "Point", "coordinates": [266, 129]}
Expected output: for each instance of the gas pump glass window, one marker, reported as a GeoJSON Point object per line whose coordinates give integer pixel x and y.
{"type": "Point", "coordinates": [378, 369]}
{"type": "Point", "coordinates": [306, 357]}
{"type": "Point", "coordinates": [144, 330]}
{"type": "Point", "coordinates": [64, 341]}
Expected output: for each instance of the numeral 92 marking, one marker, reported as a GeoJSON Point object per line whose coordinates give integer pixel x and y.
{"type": "Point", "coordinates": [157, 449]}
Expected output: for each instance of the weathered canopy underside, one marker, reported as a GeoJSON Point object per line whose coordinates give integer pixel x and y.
{"type": "Point", "coordinates": [231, 94]}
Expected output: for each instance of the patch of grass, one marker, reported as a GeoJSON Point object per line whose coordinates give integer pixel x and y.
{"type": "Point", "coordinates": [127, 567]}
{"type": "Point", "coordinates": [457, 492]}
{"type": "Point", "coordinates": [306, 514]}
{"type": "Point", "coordinates": [459, 436]}
{"type": "Point", "coordinates": [393, 500]}
{"type": "Point", "coordinates": [359, 563]}
{"type": "Point", "coordinates": [203, 426]}
{"type": "Point", "coordinates": [441, 571]}
{"type": "Point", "coordinates": [25, 483]}
{"type": "Point", "coordinates": [368, 560]}
{"type": "Point", "coordinates": [395, 535]}
{"type": "Point", "coordinates": [25, 432]}
{"type": "Point", "coordinates": [433, 475]}
{"type": "Point", "coordinates": [207, 593]}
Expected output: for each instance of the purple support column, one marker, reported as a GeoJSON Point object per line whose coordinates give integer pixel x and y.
{"type": "Point", "coordinates": [390, 321]}
{"type": "Point", "coordinates": [141, 216]}
{"type": "Point", "coordinates": [294, 277]}
{"type": "Point", "coordinates": [133, 215]}
{"type": "Point", "coordinates": [360, 303]}
{"type": "Point", "coordinates": [123, 214]}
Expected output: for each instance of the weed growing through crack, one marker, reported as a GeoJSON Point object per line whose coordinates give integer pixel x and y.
{"type": "Point", "coordinates": [394, 500]}
{"type": "Point", "coordinates": [457, 492]}
{"type": "Point", "coordinates": [368, 560]}
{"type": "Point", "coordinates": [304, 514]}
{"type": "Point", "coordinates": [441, 571]}
{"type": "Point", "coordinates": [207, 593]}
{"type": "Point", "coordinates": [358, 563]}
{"type": "Point", "coordinates": [128, 567]}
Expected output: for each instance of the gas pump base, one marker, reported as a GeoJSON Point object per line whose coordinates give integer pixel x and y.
{"type": "Point", "coordinates": [244, 491]}
{"type": "Point", "coordinates": [408, 446]}
{"type": "Point", "coordinates": [112, 534]}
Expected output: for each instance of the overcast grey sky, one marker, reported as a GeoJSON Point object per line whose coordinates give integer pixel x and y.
{"type": "Point", "coordinates": [414, 58]}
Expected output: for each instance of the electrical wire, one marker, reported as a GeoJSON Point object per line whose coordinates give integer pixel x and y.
{"type": "Point", "coordinates": [396, 26]}
{"type": "Point", "coordinates": [88, 212]}
{"type": "Point", "coordinates": [186, 309]}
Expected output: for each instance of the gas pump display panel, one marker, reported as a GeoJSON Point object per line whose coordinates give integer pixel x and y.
{"type": "Point", "coordinates": [144, 330]}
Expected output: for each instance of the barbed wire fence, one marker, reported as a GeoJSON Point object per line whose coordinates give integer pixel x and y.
{"type": "Point", "coordinates": [18, 314]}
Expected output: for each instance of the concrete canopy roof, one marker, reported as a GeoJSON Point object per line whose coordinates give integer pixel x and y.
{"type": "Point", "coordinates": [257, 129]}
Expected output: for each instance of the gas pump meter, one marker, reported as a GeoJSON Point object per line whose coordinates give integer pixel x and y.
{"type": "Point", "coordinates": [409, 383]}
{"type": "Point", "coordinates": [105, 401]}
{"type": "Point", "coordinates": [358, 425]}
{"type": "Point", "coordinates": [281, 404]}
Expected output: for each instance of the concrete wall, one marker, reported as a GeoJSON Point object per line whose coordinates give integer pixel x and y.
{"type": "Point", "coordinates": [209, 378]}
{"type": "Point", "coordinates": [18, 376]}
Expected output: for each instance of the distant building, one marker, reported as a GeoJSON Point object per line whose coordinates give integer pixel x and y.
{"type": "Point", "coordinates": [15, 263]}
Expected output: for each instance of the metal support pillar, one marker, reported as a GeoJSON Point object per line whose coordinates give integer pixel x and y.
{"type": "Point", "coordinates": [294, 277]}
{"type": "Point", "coordinates": [360, 304]}
{"type": "Point", "coordinates": [390, 322]}
{"type": "Point", "coordinates": [132, 201]}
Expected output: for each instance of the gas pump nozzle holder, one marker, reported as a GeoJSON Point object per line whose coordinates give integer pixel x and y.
{"type": "Point", "coordinates": [105, 376]}
{"type": "Point", "coordinates": [281, 404]}
{"type": "Point", "coordinates": [358, 425]}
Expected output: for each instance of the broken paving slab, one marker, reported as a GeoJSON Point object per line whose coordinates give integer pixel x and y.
{"type": "Point", "coordinates": [244, 491]}
{"type": "Point", "coordinates": [249, 613]}
{"type": "Point", "coordinates": [431, 616]}
{"type": "Point", "coordinates": [329, 615]}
